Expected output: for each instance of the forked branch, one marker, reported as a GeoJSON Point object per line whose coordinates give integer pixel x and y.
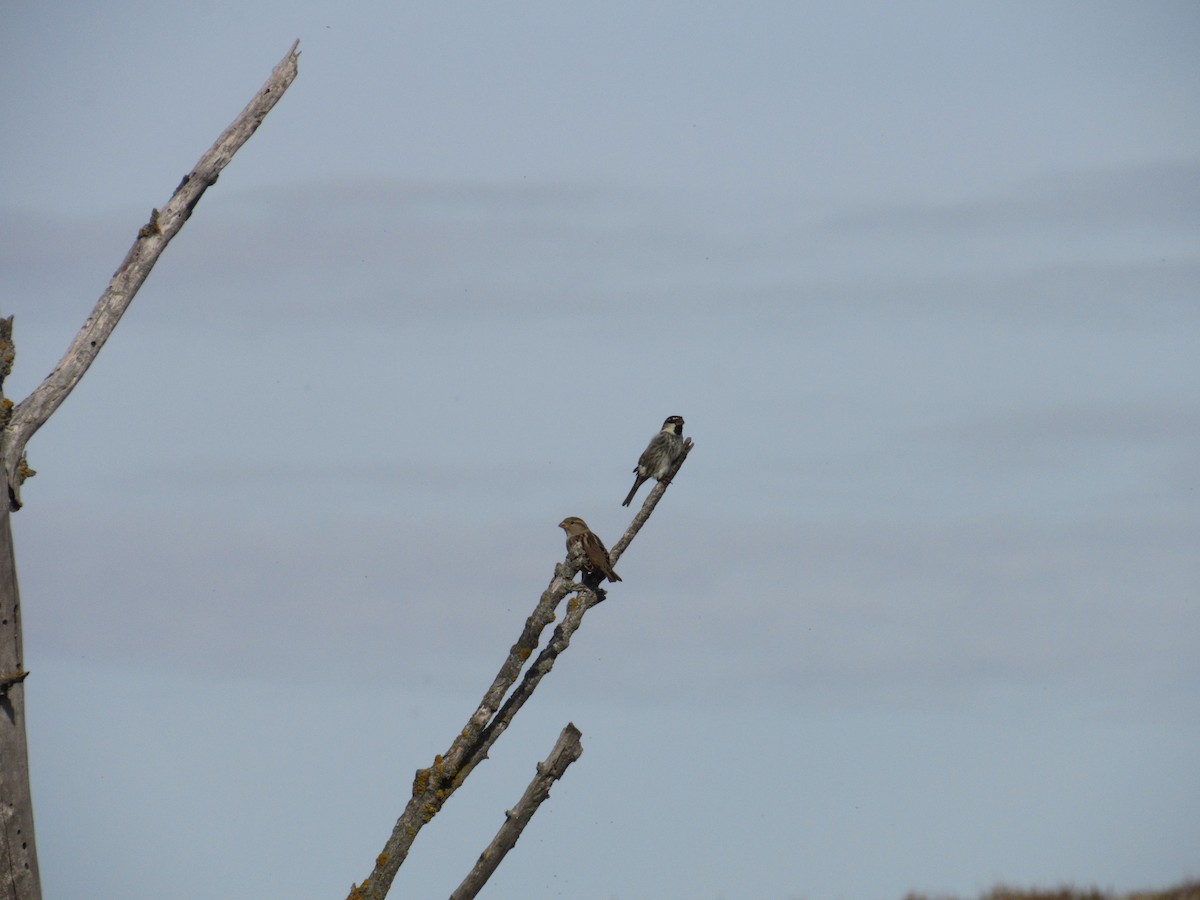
{"type": "Point", "coordinates": [433, 786]}
{"type": "Point", "coordinates": [19, 873]}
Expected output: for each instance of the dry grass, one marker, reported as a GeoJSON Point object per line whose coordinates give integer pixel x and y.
{"type": "Point", "coordinates": [1188, 890]}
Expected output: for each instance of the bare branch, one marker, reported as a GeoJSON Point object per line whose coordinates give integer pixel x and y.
{"type": "Point", "coordinates": [559, 641]}
{"type": "Point", "coordinates": [567, 749]}
{"type": "Point", "coordinates": [32, 412]}
{"type": "Point", "coordinates": [433, 786]}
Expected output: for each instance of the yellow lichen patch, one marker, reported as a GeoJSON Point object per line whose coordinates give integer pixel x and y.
{"type": "Point", "coordinates": [420, 781]}
{"type": "Point", "coordinates": [150, 228]}
{"type": "Point", "coordinates": [381, 859]}
{"type": "Point", "coordinates": [8, 349]}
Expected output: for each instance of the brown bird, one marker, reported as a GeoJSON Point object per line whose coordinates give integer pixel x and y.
{"type": "Point", "coordinates": [595, 554]}
{"type": "Point", "coordinates": [660, 454]}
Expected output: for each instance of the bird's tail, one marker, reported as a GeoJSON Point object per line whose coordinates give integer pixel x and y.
{"type": "Point", "coordinates": [633, 490]}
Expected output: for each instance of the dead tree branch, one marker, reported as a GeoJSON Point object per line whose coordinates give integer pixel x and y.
{"type": "Point", "coordinates": [152, 238]}
{"type": "Point", "coordinates": [567, 749]}
{"type": "Point", "coordinates": [433, 786]}
{"type": "Point", "coordinates": [19, 876]}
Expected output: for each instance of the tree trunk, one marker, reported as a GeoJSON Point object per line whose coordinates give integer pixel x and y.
{"type": "Point", "coordinates": [18, 854]}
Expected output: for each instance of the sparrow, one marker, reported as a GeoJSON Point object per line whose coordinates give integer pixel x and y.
{"type": "Point", "coordinates": [595, 555]}
{"type": "Point", "coordinates": [660, 454]}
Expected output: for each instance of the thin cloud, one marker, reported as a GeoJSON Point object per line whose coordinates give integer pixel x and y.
{"type": "Point", "coordinates": [1162, 196]}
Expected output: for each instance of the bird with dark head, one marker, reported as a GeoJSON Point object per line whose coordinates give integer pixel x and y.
{"type": "Point", "coordinates": [595, 554]}
{"type": "Point", "coordinates": [660, 454]}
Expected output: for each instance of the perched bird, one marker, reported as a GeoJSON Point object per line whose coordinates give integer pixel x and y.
{"type": "Point", "coordinates": [660, 454]}
{"type": "Point", "coordinates": [595, 554]}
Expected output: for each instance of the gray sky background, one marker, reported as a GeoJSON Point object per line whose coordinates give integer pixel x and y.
{"type": "Point", "coordinates": [920, 613]}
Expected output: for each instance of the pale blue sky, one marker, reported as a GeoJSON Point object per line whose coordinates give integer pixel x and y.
{"type": "Point", "coordinates": [920, 613]}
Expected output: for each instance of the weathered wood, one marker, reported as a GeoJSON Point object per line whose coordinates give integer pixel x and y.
{"type": "Point", "coordinates": [434, 785]}
{"type": "Point", "coordinates": [152, 238]}
{"type": "Point", "coordinates": [567, 749]}
{"type": "Point", "coordinates": [19, 879]}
